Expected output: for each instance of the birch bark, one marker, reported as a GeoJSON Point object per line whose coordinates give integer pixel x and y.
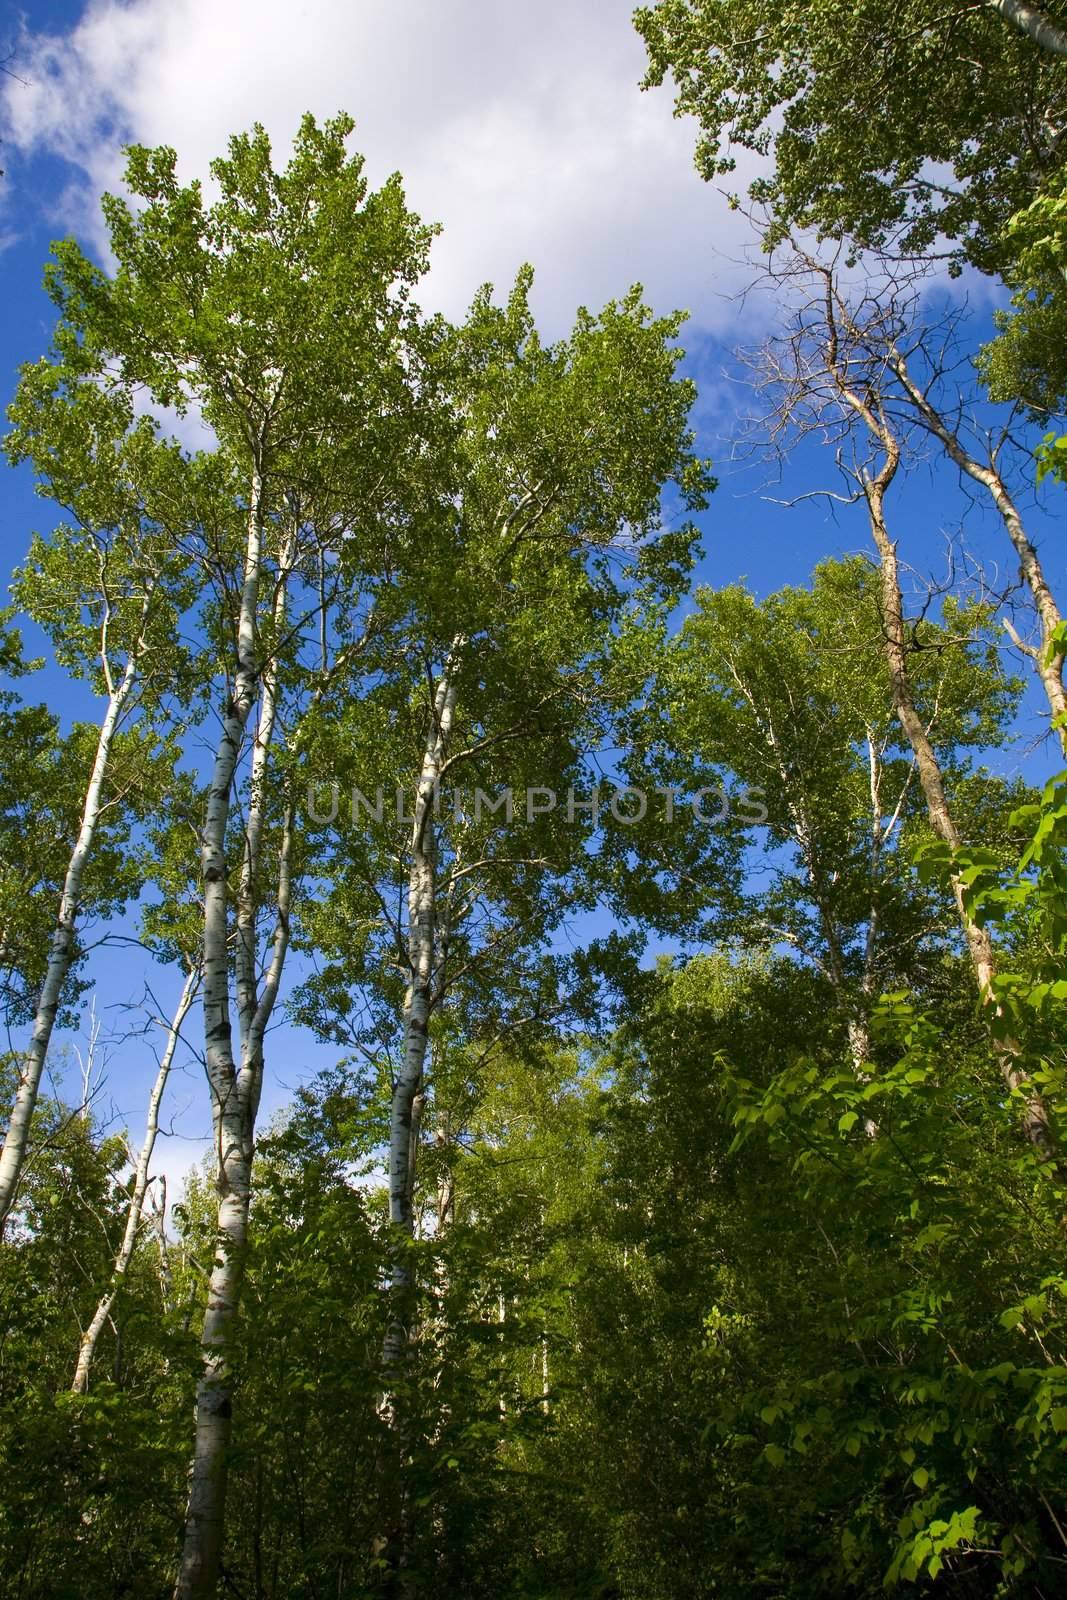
{"type": "Point", "coordinates": [245, 949]}
{"type": "Point", "coordinates": [31, 1067]}
{"type": "Point", "coordinates": [234, 1118]}
{"type": "Point", "coordinates": [235, 1091]}
{"type": "Point", "coordinates": [874, 486]}
{"type": "Point", "coordinates": [405, 1109]}
{"type": "Point", "coordinates": [418, 999]}
{"type": "Point", "coordinates": [1036, 1122]}
{"type": "Point", "coordinates": [87, 1348]}
{"type": "Point", "coordinates": [1035, 23]}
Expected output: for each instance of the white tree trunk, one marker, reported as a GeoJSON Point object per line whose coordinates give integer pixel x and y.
{"type": "Point", "coordinates": [245, 949]}
{"type": "Point", "coordinates": [1035, 23]}
{"type": "Point", "coordinates": [234, 1102]}
{"type": "Point", "coordinates": [87, 1348]}
{"type": "Point", "coordinates": [418, 1000]}
{"type": "Point", "coordinates": [31, 1067]}
{"type": "Point", "coordinates": [1036, 1122]}
{"type": "Point", "coordinates": [202, 1549]}
{"type": "Point", "coordinates": [405, 1111]}
{"type": "Point", "coordinates": [158, 1203]}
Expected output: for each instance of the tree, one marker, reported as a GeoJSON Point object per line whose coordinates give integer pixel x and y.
{"type": "Point", "coordinates": [919, 130]}
{"type": "Point", "coordinates": [547, 488]}
{"type": "Point", "coordinates": [108, 590]}
{"type": "Point", "coordinates": [833, 377]}
{"type": "Point", "coordinates": [1024, 364]}
{"type": "Point", "coordinates": [794, 1377]}
{"type": "Point", "coordinates": [737, 1272]}
{"type": "Point", "coordinates": [281, 312]}
{"type": "Point", "coordinates": [791, 698]}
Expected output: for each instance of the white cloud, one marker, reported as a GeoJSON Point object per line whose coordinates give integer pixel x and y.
{"type": "Point", "coordinates": [520, 128]}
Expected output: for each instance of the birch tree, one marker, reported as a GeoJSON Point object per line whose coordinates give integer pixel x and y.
{"type": "Point", "coordinates": [280, 312]}
{"type": "Point", "coordinates": [138, 1191]}
{"type": "Point", "coordinates": [789, 699]}
{"type": "Point", "coordinates": [986, 469]}
{"type": "Point", "coordinates": [43, 773]}
{"type": "Point", "coordinates": [546, 488]}
{"type": "Point", "coordinates": [883, 342]}
{"type": "Point", "coordinates": [108, 590]}
{"type": "Point", "coordinates": [832, 377]}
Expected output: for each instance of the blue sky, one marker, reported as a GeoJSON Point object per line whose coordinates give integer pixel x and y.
{"type": "Point", "coordinates": [522, 130]}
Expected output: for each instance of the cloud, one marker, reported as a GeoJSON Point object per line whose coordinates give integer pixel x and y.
{"type": "Point", "coordinates": [520, 129]}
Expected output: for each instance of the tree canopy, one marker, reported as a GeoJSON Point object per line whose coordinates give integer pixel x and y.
{"type": "Point", "coordinates": [675, 1205]}
{"type": "Point", "coordinates": [920, 127]}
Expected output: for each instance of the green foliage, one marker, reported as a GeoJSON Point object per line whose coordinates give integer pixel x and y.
{"type": "Point", "coordinates": [1025, 363]}
{"type": "Point", "coordinates": [732, 1275]}
{"type": "Point", "coordinates": [548, 477]}
{"type": "Point", "coordinates": [206, 299]}
{"type": "Point", "coordinates": [787, 701]}
{"type": "Point", "coordinates": [94, 1483]}
{"type": "Point", "coordinates": [903, 127]}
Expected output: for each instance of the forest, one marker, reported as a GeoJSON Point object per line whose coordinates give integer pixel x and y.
{"type": "Point", "coordinates": [677, 1204]}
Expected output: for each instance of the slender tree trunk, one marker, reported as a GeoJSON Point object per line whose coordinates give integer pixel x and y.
{"type": "Point", "coordinates": [202, 1551]}
{"type": "Point", "coordinates": [419, 997]}
{"type": "Point", "coordinates": [406, 1107]}
{"type": "Point", "coordinates": [92, 1333]}
{"type": "Point", "coordinates": [1036, 1121]}
{"type": "Point", "coordinates": [233, 1102]}
{"type": "Point", "coordinates": [868, 408]}
{"type": "Point", "coordinates": [501, 1317]}
{"type": "Point", "coordinates": [444, 1216]}
{"type": "Point", "coordinates": [860, 1024]}
{"type": "Point", "coordinates": [1035, 23]}
{"type": "Point", "coordinates": [869, 981]}
{"type": "Point", "coordinates": [246, 898]}
{"type": "Point", "coordinates": [234, 1123]}
{"type": "Point", "coordinates": [446, 1187]}
{"type": "Point", "coordinates": [1048, 661]}
{"type": "Point", "coordinates": [16, 1139]}
{"type": "Point", "coordinates": [158, 1202]}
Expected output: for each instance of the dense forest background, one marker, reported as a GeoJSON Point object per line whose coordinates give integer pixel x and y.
{"type": "Point", "coordinates": [676, 1205]}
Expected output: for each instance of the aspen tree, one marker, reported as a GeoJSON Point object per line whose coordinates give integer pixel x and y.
{"type": "Point", "coordinates": [108, 588]}
{"type": "Point", "coordinates": [280, 312]}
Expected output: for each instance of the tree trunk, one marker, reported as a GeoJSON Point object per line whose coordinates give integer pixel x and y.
{"type": "Point", "coordinates": [87, 1348]}
{"type": "Point", "coordinates": [1048, 661]}
{"type": "Point", "coordinates": [202, 1553]}
{"type": "Point", "coordinates": [16, 1139]}
{"type": "Point", "coordinates": [246, 906]}
{"type": "Point", "coordinates": [1035, 23]}
{"type": "Point", "coordinates": [405, 1108]}
{"type": "Point", "coordinates": [234, 1099]}
{"type": "Point", "coordinates": [869, 409]}
{"type": "Point", "coordinates": [234, 1122]}
{"type": "Point", "coordinates": [158, 1203]}
{"type": "Point", "coordinates": [419, 997]}
{"type": "Point", "coordinates": [1036, 1121]}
